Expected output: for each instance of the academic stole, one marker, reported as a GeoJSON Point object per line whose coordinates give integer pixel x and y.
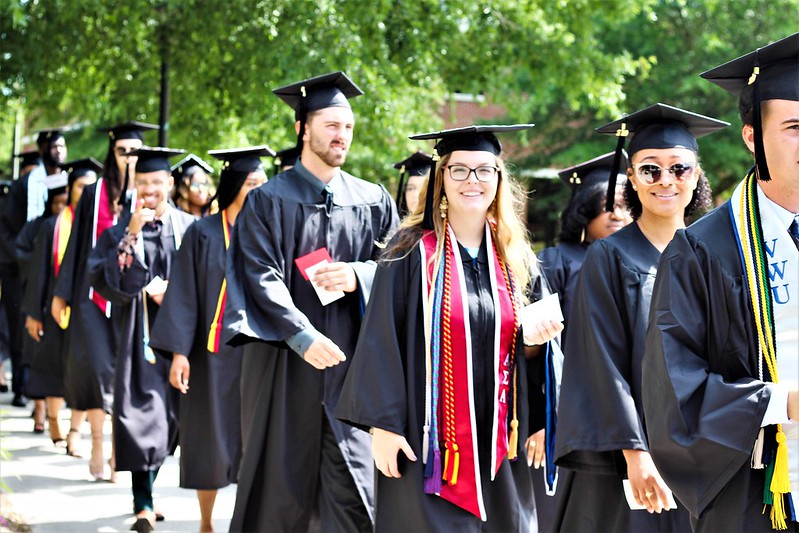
{"type": "Point", "coordinates": [215, 332]}
{"type": "Point", "coordinates": [752, 245]}
{"type": "Point", "coordinates": [103, 217]}
{"type": "Point", "coordinates": [174, 221]}
{"type": "Point", "coordinates": [63, 228]}
{"type": "Point", "coordinates": [449, 400]}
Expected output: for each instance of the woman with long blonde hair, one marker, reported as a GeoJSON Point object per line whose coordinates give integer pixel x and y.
{"type": "Point", "coordinates": [438, 375]}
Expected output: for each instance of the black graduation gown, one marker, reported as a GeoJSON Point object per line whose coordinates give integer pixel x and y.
{"type": "Point", "coordinates": [25, 250]}
{"type": "Point", "coordinates": [46, 374]}
{"type": "Point", "coordinates": [702, 397]}
{"type": "Point", "coordinates": [210, 412]}
{"type": "Point", "coordinates": [145, 404]}
{"type": "Point", "coordinates": [561, 265]}
{"type": "Point", "coordinates": [283, 397]}
{"type": "Point", "coordinates": [89, 375]}
{"type": "Point", "coordinates": [600, 411]}
{"type": "Point", "coordinates": [385, 388]}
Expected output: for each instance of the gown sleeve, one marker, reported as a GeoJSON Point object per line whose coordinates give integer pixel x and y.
{"type": "Point", "coordinates": [374, 391]}
{"type": "Point", "coordinates": [66, 283]}
{"type": "Point", "coordinates": [35, 296]}
{"type": "Point", "coordinates": [176, 325]}
{"type": "Point", "coordinates": [597, 412]}
{"type": "Point", "coordinates": [119, 288]}
{"type": "Point", "coordinates": [702, 427]}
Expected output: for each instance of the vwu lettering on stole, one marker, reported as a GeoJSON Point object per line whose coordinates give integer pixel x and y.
{"type": "Point", "coordinates": [781, 294]}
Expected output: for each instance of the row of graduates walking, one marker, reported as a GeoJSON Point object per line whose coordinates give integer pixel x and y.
{"type": "Point", "coordinates": [343, 320]}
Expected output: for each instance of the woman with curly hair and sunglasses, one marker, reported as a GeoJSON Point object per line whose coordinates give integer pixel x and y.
{"type": "Point", "coordinates": [438, 372]}
{"type": "Point", "coordinates": [194, 189]}
{"type": "Point", "coordinates": [601, 432]}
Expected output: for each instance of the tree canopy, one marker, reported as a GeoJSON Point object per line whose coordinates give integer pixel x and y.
{"type": "Point", "coordinates": [567, 65]}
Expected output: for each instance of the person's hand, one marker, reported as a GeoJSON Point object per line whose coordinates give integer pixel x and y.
{"type": "Point", "coordinates": [542, 332]}
{"type": "Point", "coordinates": [648, 487]}
{"type": "Point", "coordinates": [158, 297]}
{"type": "Point", "coordinates": [336, 277]}
{"type": "Point", "coordinates": [793, 405]}
{"type": "Point", "coordinates": [323, 353]}
{"type": "Point", "coordinates": [57, 309]}
{"type": "Point", "coordinates": [536, 450]}
{"type": "Point", "coordinates": [385, 449]}
{"type": "Point", "coordinates": [179, 372]}
{"type": "Point", "coordinates": [140, 217]}
{"type": "Point", "coordinates": [34, 328]}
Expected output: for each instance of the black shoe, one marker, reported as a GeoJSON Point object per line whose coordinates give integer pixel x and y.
{"type": "Point", "coordinates": [142, 525]}
{"type": "Point", "coordinates": [19, 401]}
{"type": "Point", "coordinates": [4, 387]}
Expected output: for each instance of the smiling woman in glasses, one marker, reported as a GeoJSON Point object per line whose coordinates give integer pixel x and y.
{"type": "Point", "coordinates": [601, 433]}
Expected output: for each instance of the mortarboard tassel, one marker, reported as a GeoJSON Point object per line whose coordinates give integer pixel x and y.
{"type": "Point", "coordinates": [401, 190]}
{"type": "Point", "coordinates": [780, 482]}
{"type": "Point", "coordinates": [427, 220]}
{"type": "Point", "coordinates": [622, 134]}
{"type": "Point", "coordinates": [757, 124]}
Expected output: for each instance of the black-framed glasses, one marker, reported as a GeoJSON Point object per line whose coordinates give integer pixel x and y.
{"type": "Point", "coordinates": [462, 172]}
{"type": "Point", "coordinates": [650, 173]}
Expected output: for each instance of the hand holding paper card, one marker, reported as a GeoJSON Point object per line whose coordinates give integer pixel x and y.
{"type": "Point", "coordinates": [156, 286]}
{"type": "Point", "coordinates": [308, 265]}
{"type": "Point", "coordinates": [545, 309]}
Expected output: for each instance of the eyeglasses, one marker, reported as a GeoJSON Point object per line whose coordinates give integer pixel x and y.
{"type": "Point", "coordinates": [196, 187]}
{"type": "Point", "coordinates": [121, 151]}
{"type": "Point", "coordinates": [650, 173]}
{"type": "Point", "coordinates": [462, 172]}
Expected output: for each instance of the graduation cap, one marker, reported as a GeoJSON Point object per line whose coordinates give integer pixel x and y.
{"type": "Point", "coordinates": [287, 157]}
{"type": "Point", "coordinates": [128, 130]}
{"type": "Point", "coordinates": [81, 167]}
{"type": "Point", "coordinates": [47, 136]}
{"type": "Point", "coordinates": [238, 164]}
{"type": "Point", "coordinates": [243, 159]}
{"type": "Point", "coordinates": [468, 138]}
{"type": "Point", "coordinates": [589, 172]}
{"type": "Point", "coordinates": [28, 158]}
{"type": "Point", "coordinates": [189, 162]}
{"type": "Point", "coordinates": [656, 127]}
{"type": "Point", "coordinates": [56, 184]}
{"type": "Point", "coordinates": [417, 164]}
{"type": "Point", "coordinates": [768, 73]}
{"type": "Point", "coordinates": [153, 159]}
{"type": "Point", "coordinates": [320, 92]}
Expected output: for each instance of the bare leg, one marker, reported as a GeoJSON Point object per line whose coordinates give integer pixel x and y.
{"type": "Point", "coordinates": [96, 462]}
{"type": "Point", "coordinates": [53, 407]}
{"type": "Point", "coordinates": [39, 413]}
{"type": "Point", "coordinates": [207, 499]}
{"type": "Point", "coordinates": [76, 419]}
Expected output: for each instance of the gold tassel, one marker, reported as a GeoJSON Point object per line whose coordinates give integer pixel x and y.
{"type": "Point", "coordinates": [513, 442]}
{"type": "Point", "coordinates": [780, 482]}
{"type": "Point", "coordinates": [453, 479]}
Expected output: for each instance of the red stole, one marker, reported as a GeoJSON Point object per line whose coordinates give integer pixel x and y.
{"type": "Point", "coordinates": [453, 391]}
{"type": "Point", "coordinates": [103, 219]}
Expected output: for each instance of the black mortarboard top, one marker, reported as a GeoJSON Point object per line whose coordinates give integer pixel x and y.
{"type": "Point", "coordinates": [79, 167]}
{"type": "Point", "coordinates": [468, 138]}
{"type": "Point", "coordinates": [592, 171]}
{"type": "Point", "coordinates": [417, 164]}
{"type": "Point", "coordinates": [768, 73]}
{"type": "Point", "coordinates": [658, 126]}
{"type": "Point", "coordinates": [128, 130]}
{"type": "Point", "coordinates": [287, 157]}
{"type": "Point", "coordinates": [30, 157]}
{"type": "Point", "coordinates": [155, 158]}
{"type": "Point", "coordinates": [243, 159]}
{"type": "Point", "coordinates": [188, 162]}
{"type": "Point", "coordinates": [319, 92]}
{"type": "Point", "coordinates": [47, 136]}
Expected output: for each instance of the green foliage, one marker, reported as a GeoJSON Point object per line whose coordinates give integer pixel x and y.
{"type": "Point", "coordinates": [99, 62]}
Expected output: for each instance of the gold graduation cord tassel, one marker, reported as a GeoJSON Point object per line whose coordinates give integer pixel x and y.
{"type": "Point", "coordinates": [452, 458]}
{"type": "Point", "coordinates": [513, 443]}
{"type": "Point", "coordinates": [780, 482]}
{"type": "Point", "coordinates": [212, 333]}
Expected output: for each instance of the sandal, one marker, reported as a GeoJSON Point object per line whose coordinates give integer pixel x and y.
{"type": "Point", "coordinates": [72, 436]}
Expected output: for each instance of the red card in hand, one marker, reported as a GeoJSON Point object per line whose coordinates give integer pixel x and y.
{"type": "Point", "coordinates": [314, 258]}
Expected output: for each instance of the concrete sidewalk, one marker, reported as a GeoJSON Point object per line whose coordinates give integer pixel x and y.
{"type": "Point", "coordinates": [53, 492]}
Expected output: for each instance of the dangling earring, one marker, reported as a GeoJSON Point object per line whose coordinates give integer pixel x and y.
{"type": "Point", "coordinates": [582, 236]}
{"type": "Point", "coordinates": [443, 206]}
